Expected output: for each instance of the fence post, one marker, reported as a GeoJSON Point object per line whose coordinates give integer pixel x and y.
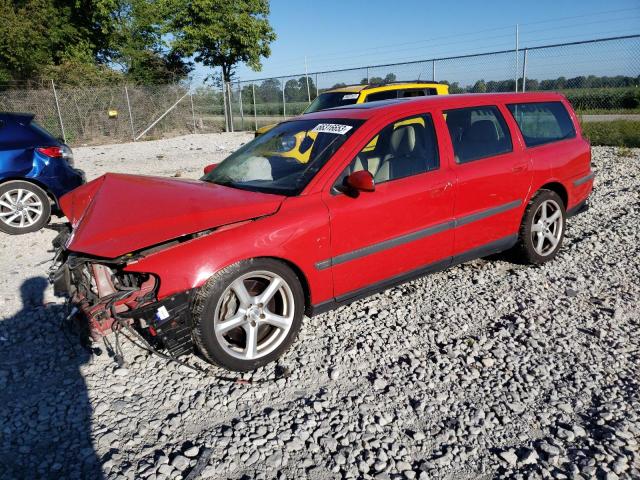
{"type": "Point", "coordinates": [524, 70]}
{"type": "Point", "coordinates": [255, 113]}
{"type": "Point", "coordinates": [306, 76]}
{"type": "Point", "coordinates": [133, 130]}
{"type": "Point", "coordinates": [517, 59]}
{"type": "Point", "coordinates": [55, 96]}
{"type": "Point", "coordinates": [317, 88]}
{"type": "Point", "coordinates": [224, 104]}
{"type": "Point", "coordinates": [193, 112]}
{"type": "Point", "coordinates": [367, 75]}
{"type": "Point", "coordinates": [241, 108]}
{"type": "Point", "coordinates": [433, 70]}
{"type": "Point", "coordinates": [284, 103]}
{"type": "Point", "coordinates": [155, 122]}
{"type": "Point", "coordinates": [230, 107]}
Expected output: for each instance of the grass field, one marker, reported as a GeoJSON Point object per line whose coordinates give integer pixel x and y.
{"type": "Point", "coordinates": [618, 133]}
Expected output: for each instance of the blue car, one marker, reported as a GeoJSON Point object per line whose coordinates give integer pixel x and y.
{"type": "Point", "coordinates": [36, 169]}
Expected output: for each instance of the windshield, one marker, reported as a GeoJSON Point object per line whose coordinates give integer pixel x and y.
{"type": "Point", "coordinates": [285, 159]}
{"type": "Point", "coordinates": [330, 100]}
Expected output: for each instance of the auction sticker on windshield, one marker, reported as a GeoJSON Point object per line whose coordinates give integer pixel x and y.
{"type": "Point", "coordinates": [332, 128]}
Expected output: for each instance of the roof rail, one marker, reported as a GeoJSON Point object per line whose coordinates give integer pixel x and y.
{"type": "Point", "coordinates": [396, 82]}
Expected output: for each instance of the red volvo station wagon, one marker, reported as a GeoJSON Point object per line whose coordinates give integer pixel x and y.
{"type": "Point", "coordinates": [373, 195]}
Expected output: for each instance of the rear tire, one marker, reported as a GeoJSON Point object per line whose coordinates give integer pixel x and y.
{"type": "Point", "coordinates": [24, 207]}
{"type": "Point", "coordinates": [248, 314]}
{"type": "Point", "coordinates": [542, 229]}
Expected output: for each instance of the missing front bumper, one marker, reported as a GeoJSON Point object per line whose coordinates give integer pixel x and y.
{"type": "Point", "coordinates": [167, 323]}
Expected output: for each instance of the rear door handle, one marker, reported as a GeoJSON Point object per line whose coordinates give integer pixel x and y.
{"type": "Point", "coordinates": [519, 168]}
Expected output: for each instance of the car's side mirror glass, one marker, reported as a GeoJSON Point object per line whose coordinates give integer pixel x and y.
{"type": "Point", "coordinates": [361, 181]}
{"type": "Point", "coordinates": [208, 168]}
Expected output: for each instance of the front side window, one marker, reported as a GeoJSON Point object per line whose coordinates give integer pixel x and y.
{"type": "Point", "coordinates": [542, 122]}
{"type": "Point", "coordinates": [285, 159]}
{"type": "Point", "coordinates": [332, 100]}
{"type": "Point", "coordinates": [477, 132]}
{"type": "Point", "coordinates": [401, 149]}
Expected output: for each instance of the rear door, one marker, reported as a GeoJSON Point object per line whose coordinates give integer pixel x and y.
{"type": "Point", "coordinates": [493, 177]}
{"type": "Point", "coordinates": [405, 224]}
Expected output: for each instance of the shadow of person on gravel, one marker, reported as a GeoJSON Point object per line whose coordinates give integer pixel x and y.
{"type": "Point", "coordinates": [45, 414]}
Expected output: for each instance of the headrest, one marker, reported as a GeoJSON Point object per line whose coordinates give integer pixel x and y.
{"type": "Point", "coordinates": [403, 140]}
{"type": "Point", "coordinates": [482, 131]}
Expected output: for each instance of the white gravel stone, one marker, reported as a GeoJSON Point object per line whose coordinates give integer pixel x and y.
{"type": "Point", "coordinates": [487, 356]}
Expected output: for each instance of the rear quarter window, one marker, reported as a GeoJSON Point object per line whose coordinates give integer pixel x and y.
{"type": "Point", "coordinates": [542, 122]}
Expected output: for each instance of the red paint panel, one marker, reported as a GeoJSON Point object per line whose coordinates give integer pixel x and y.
{"type": "Point", "coordinates": [396, 208]}
{"type": "Point", "coordinates": [298, 234]}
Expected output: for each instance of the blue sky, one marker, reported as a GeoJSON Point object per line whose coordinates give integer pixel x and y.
{"type": "Point", "coordinates": [341, 34]}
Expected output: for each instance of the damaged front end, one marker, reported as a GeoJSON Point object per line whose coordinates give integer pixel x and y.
{"type": "Point", "coordinates": [108, 298]}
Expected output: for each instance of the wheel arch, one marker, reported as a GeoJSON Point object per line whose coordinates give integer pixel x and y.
{"type": "Point", "coordinates": [304, 282]}
{"type": "Point", "coordinates": [35, 182]}
{"type": "Point", "coordinates": [559, 189]}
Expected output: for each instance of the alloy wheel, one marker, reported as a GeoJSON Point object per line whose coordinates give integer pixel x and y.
{"type": "Point", "coordinates": [547, 227]}
{"type": "Point", "coordinates": [20, 208]}
{"type": "Point", "coordinates": [254, 315]}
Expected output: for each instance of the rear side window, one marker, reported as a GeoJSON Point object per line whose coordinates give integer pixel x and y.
{"type": "Point", "coordinates": [413, 92]}
{"type": "Point", "coordinates": [478, 132]}
{"type": "Point", "coordinates": [542, 123]}
{"type": "Point", "coordinates": [385, 95]}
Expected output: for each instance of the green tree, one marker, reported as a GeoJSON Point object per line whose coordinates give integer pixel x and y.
{"type": "Point", "coordinates": [222, 33]}
{"type": "Point", "coordinates": [479, 87]}
{"type": "Point", "coordinates": [136, 44]}
{"type": "Point", "coordinates": [80, 42]}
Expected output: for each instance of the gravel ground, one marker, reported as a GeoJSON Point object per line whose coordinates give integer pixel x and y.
{"type": "Point", "coordinates": [490, 369]}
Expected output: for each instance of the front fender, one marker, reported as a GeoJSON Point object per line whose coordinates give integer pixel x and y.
{"type": "Point", "coordinates": [298, 234]}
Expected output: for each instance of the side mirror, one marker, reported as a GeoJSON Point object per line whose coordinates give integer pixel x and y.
{"type": "Point", "coordinates": [361, 181]}
{"type": "Point", "coordinates": [208, 168]}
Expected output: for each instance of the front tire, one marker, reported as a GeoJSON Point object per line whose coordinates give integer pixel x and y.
{"type": "Point", "coordinates": [24, 207]}
{"type": "Point", "coordinates": [542, 229]}
{"type": "Point", "coordinates": [248, 314]}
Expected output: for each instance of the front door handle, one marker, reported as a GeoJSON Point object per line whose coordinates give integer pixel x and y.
{"type": "Point", "coordinates": [443, 187]}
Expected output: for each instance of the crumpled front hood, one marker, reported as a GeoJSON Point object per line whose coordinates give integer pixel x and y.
{"type": "Point", "coordinates": [118, 214]}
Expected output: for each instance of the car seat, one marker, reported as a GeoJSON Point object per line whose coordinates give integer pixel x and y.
{"type": "Point", "coordinates": [406, 155]}
{"type": "Point", "coordinates": [480, 139]}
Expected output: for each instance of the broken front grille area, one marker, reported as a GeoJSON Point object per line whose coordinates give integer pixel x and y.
{"type": "Point", "coordinates": [106, 296]}
{"type": "Point", "coordinates": [101, 290]}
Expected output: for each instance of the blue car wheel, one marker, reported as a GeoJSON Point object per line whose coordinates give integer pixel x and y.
{"type": "Point", "coordinates": [24, 207]}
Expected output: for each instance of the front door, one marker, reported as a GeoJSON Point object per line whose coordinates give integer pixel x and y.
{"type": "Point", "coordinates": [405, 224]}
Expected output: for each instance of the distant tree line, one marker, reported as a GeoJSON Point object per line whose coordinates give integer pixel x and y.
{"type": "Point", "coordinates": [584, 92]}
{"type": "Point", "coordinates": [482, 86]}
{"type": "Point", "coordinates": [560, 83]}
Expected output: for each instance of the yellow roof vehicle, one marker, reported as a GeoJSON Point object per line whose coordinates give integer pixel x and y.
{"type": "Point", "coordinates": [351, 94]}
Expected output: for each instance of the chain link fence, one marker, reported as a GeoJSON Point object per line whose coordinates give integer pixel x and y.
{"type": "Point", "coordinates": [98, 115]}
{"type": "Point", "coordinates": [600, 77]}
